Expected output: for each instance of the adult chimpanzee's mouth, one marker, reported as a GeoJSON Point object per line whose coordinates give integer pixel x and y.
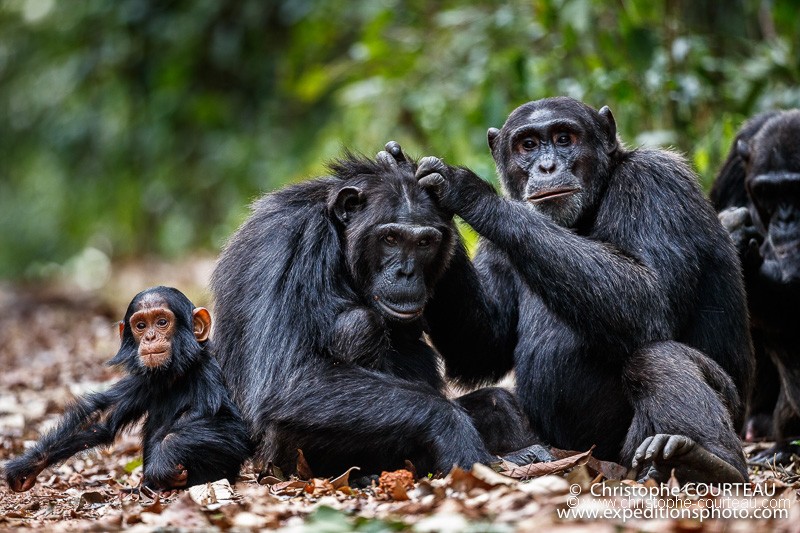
{"type": "Point", "coordinates": [551, 194]}
{"type": "Point", "coordinates": [399, 314]}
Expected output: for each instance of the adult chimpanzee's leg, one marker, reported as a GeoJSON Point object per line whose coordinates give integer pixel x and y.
{"type": "Point", "coordinates": [353, 416]}
{"type": "Point", "coordinates": [499, 419]}
{"type": "Point", "coordinates": [764, 395]}
{"type": "Point", "coordinates": [682, 403]}
{"type": "Point", "coordinates": [786, 421]}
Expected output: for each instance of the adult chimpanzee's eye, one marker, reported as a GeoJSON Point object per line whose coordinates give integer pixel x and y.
{"type": "Point", "coordinates": [563, 139]}
{"type": "Point", "coordinates": [162, 322]}
{"type": "Point", "coordinates": [422, 243]}
{"type": "Point", "coordinates": [528, 144]}
{"type": "Point", "coordinates": [391, 240]}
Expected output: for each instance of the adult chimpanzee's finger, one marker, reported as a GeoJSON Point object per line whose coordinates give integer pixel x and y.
{"type": "Point", "coordinates": [430, 165]}
{"type": "Point", "coordinates": [433, 182]}
{"type": "Point", "coordinates": [640, 452]}
{"type": "Point", "coordinates": [657, 446]}
{"type": "Point", "coordinates": [393, 147]}
{"type": "Point", "coordinates": [392, 156]}
{"type": "Point", "coordinates": [385, 158]}
{"type": "Point", "coordinates": [734, 218]}
{"type": "Point", "coordinates": [675, 445]}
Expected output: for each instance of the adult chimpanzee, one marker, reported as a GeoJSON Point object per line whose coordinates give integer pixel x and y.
{"type": "Point", "coordinates": [193, 432]}
{"type": "Point", "coordinates": [606, 280]}
{"type": "Point", "coordinates": [319, 297]}
{"type": "Point", "coordinates": [758, 194]}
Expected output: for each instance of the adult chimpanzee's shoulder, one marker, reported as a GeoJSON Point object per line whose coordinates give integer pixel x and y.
{"type": "Point", "coordinates": [667, 169]}
{"type": "Point", "coordinates": [653, 188]}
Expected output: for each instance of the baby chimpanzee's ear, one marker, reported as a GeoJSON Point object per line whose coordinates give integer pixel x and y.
{"type": "Point", "coordinates": [201, 323]}
{"type": "Point", "coordinates": [121, 328]}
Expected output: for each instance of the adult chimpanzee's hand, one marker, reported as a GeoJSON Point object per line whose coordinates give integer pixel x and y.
{"type": "Point", "coordinates": [747, 239]}
{"type": "Point", "coordinates": [455, 188]}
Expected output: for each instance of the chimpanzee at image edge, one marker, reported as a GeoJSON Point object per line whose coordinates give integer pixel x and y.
{"type": "Point", "coordinates": [757, 193]}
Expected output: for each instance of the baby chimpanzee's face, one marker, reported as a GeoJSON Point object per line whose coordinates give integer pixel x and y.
{"type": "Point", "coordinates": [153, 327]}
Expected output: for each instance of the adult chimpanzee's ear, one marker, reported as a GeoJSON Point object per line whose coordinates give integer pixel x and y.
{"type": "Point", "coordinates": [492, 136]}
{"type": "Point", "coordinates": [201, 323]}
{"type": "Point", "coordinates": [611, 129]}
{"type": "Point", "coordinates": [345, 203]}
{"type": "Point", "coordinates": [121, 328]}
{"type": "Point", "coordinates": [743, 149]}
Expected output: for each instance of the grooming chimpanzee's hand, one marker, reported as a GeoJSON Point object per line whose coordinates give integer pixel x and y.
{"type": "Point", "coordinates": [454, 188]}
{"type": "Point", "coordinates": [746, 238]}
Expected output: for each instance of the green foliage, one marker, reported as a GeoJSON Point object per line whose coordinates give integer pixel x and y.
{"type": "Point", "coordinates": [145, 127]}
{"type": "Point", "coordinates": [328, 520]}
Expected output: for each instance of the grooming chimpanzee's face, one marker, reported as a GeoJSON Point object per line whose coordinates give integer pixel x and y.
{"type": "Point", "coordinates": [397, 242]}
{"type": "Point", "coordinates": [772, 161]}
{"type": "Point", "coordinates": [555, 154]}
{"type": "Point", "coordinates": [158, 325]}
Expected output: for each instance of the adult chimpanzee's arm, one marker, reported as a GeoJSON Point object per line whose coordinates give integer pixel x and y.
{"type": "Point", "coordinates": [91, 421]}
{"type": "Point", "coordinates": [352, 408]}
{"type": "Point", "coordinates": [605, 292]}
{"type": "Point", "coordinates": [472, 331]}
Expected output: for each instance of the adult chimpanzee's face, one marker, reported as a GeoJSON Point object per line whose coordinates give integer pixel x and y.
{"type": "Point", "coordinates": [773, 183]}
{"type": "Point", "coordinates": [553, 154]}
{"type": "Point", "coordinates": [397, 242]}
{"type": "Point", "coordinates": [405, 253]}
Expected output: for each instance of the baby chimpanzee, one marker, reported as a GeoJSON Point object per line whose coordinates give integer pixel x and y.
{"type": "Point", "coordinates": [193, 433]}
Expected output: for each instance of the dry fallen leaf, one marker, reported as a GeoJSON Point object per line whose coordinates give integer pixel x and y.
{"type": "Point", "coordinates": [210, 494]}
{"type": "Point", "coordinates": [551, 467]}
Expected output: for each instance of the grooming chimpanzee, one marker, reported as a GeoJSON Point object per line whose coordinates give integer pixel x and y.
{"type": "Point", "coordinates": [758, 195]}
{"type": "Point", "coordinates": [192, 433]}
{"type": "Point", "coordinates": [607, 281]}
{"type": "Point", "coordinates": [320, 296]}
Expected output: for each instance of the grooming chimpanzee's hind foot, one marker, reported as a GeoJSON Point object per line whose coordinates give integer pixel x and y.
{"type": "Point", "coordinates": [690, 461]}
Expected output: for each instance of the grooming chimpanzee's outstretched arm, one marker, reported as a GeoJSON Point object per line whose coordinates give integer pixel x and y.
{"type": "Point", "coordinates": [89, 422]}
{"type": "Point", "coordinates": [586, 281]}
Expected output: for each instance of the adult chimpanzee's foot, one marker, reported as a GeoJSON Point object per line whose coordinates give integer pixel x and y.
{"type": "Point", "coordinates": [690, 461]}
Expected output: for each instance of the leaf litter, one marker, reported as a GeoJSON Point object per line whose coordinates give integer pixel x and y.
{"type": "Point", "coordinates": [53, 345]}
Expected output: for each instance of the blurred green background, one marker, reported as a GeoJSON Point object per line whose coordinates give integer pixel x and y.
{"type": "Point", "coordinates": [139, 128]}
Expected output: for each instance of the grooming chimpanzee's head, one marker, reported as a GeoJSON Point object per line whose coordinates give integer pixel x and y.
{"type": "Point", "coordinates": [162, 330]}
{"type": "Point", "coordinates": [556, 153]}
{"type": "Point", "coordinates": [772, 180]}
{"type": "Point", "coordinates": [396, 240]}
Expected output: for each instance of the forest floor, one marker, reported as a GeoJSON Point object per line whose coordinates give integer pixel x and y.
{"type": "Point", "coordinates": [55, 339]}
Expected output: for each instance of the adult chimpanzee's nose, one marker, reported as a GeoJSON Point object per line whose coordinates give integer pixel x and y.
{"type": "Point", "coordinates": [547, 165]}
{"type": "Point", "coordinates": [405, 269]}
{"type": "Point", "coordinates": [786, 213]}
